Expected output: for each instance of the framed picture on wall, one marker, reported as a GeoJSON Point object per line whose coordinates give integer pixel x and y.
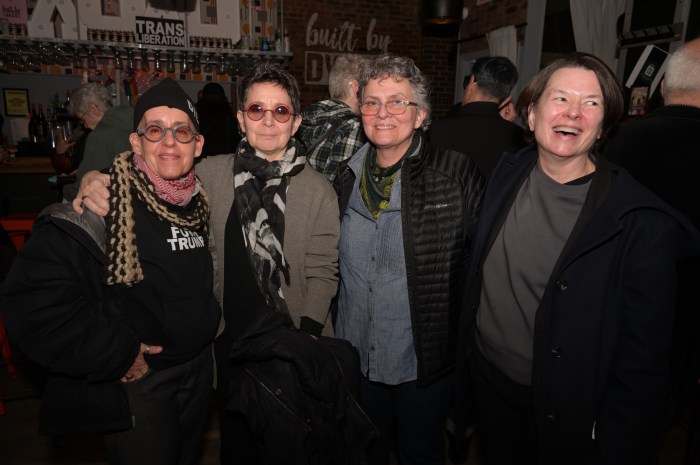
{"type": "Point", "coordinates": [638, 100]}
{"type": "Point", "coordinates": [16, 102]}
{"type": "Point", "coordinates": [110, 8]}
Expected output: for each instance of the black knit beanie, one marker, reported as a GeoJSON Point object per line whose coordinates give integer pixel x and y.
{"type": "Point", "coordinates": [167, 93]}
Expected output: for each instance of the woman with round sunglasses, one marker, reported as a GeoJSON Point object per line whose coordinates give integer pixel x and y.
{"type": "Point", "coordinates": [274, 231]}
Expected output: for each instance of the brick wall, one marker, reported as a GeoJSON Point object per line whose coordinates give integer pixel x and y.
{"type": "Point", "coordinates": [320, 28]}
{"type": "Point", "coordinates": [486, 18]}
{"type": "Point", "coordinates": [398, 19]}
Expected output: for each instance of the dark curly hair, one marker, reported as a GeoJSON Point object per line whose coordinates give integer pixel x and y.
{"type": "Point", "coordinates": [399, 68]}
{"type": "Point", "coordinates": [267, 71]}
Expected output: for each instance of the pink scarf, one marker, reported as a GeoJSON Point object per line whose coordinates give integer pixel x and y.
{"type": "Point", "coordinates": [177, 192]}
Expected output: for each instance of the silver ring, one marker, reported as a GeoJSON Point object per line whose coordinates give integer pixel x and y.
{"type": "Point", "coordinates": [147, 350]}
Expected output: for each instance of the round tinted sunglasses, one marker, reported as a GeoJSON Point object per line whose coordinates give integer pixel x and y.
{"type": "Point", "coordinates": [281, 113]}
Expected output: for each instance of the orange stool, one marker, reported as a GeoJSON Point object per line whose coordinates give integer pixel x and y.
{"type": "Point", "coordinates": [7, 360]}
{"type": "Point", "coordinates": [18, 227]}
{"type": "Point", "coordinates": [6, 352]}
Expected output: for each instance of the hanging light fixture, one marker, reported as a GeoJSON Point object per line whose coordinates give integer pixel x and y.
{"type": "Point", "coordinates": [439, 12]}
{"type": "Point", "coordinates": [184, 65]}
{"type": "Point", "coordinates": [130, 60]}
{"type": "Point", "coordinates": [117, 59]}
{"type": "Point", "coordinates": [170, 62]}
{"type": "Point", "coordinates": [197, 63]}
{"type": "Point", "coordinates": [92, 59]}
{"type": "Point", "coordinates": [156, 61]}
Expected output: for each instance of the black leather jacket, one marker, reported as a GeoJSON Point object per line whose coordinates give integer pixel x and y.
{"type": "Point", "coordinates": [440, 196]}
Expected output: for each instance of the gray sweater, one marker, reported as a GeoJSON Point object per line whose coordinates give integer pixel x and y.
{"type": "Point", "coordinates": [518, 267]}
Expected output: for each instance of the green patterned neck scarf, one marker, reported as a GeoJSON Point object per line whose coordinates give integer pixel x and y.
{"type": "Point", "coordinates": [376, 182]}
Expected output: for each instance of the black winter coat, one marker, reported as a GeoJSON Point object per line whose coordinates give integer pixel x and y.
{"type": "Point", "coordinates": [603, 329]}
{"type": "Point", "coordinates": [62, 317]}
{"type": "Point", "coordinates": [479, 131]}
{"type": "Point", "coordinates": [661, 151]}
{"type": "Point", "coordinates": [436, 246]}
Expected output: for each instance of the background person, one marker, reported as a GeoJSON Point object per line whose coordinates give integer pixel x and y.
{"type": "Point", "coordinates": [217, 121]}
{"type": "Point", "coordinates": [479, 129]}
{"type": "Point", "coordinates": [110, 128]}
{"type": "Point", "coordinates": [122, 314]}
{"type": "Point", "coordinates": [567, 319]}
{"type": "Point", "coordinates": [408, 212]}
{"type": "Point", "coordinates": [331, 129]}
{"type": "Point", "coordinates": [661, 151]}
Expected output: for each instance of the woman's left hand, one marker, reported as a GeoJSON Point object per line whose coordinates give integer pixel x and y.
{"type": "Point", "coordinates": [140, 366]}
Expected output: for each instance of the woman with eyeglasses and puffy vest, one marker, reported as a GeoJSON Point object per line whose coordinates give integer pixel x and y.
{"type": "Point", "coordinates": [408, 212]}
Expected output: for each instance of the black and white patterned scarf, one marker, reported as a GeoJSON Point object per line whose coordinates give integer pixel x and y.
{"type": "Point", "coordinates": [260, 191]}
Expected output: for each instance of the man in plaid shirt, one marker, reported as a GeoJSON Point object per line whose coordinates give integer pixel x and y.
{"type": "Point", "coordinates": [332, 129]}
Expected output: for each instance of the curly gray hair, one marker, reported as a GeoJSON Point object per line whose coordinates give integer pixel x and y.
{"type": "Point", "coordinates": [397, 67]}
{"type": "Point", "coordinates": [91, 93]}
{"type": "Point", "coordinates": [345, 68]}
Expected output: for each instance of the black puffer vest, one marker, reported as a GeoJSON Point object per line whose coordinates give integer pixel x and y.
{"type": "Point", "coordinates": [440, 196]}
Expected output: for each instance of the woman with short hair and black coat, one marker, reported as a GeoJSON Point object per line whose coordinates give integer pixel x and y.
{"type": "Point", "coordinates": [568, 318]}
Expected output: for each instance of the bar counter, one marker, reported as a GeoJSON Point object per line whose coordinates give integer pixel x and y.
{"type": "Point", "coordinates": [27, 165]}
{"type": "Point", "coordinates": [24, 185]}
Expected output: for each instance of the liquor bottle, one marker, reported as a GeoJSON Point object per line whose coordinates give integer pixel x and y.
{"type": "Point", "coordinates": [279, 36]}
{"type": "Point", "coordinates": [42, 125]}
{"type": "Point", "coordinates": [31, 127]}
{"type": "Point", "coordinates": [47, 121]}
{"type": "Point", "coordinates": [51, 133]}
{"type": "Point", "coordinates": [286, 43]}
{"type": "Point", "coordinates": [57, 104]}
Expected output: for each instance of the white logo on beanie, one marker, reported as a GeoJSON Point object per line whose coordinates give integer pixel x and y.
{"type": "Point", "coordinates": [194, 111]}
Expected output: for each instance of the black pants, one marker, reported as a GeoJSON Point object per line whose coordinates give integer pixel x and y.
{"type": "Point", "coordinates": [169, 408]}
{"type": "Point", "coordinates": [415, 415]}
{"type": "Point", "coordinates": [505, 420]}
{"type": "Point", "coordinates": [238, 444]}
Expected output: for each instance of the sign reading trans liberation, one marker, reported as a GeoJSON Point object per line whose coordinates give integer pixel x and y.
{"type": "Point", "coordinates": [160, 31]}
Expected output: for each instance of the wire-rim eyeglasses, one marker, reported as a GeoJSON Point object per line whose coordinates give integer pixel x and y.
{"type": "Point", "coordinates": [393, 107]}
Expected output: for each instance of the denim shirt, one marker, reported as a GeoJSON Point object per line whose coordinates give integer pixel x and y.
{"type": "Point", "coordinates": [373, 308]}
